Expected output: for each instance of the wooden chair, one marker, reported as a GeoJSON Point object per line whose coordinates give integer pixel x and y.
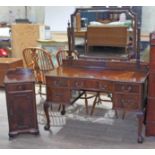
{"type": "Point", "coordinates": [62, 54]}
{"type": "Point", "coordinates": [40, 61]}
{"type": "Point", "coordinates": [98, 99]}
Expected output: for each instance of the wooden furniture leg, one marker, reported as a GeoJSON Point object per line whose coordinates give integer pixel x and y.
{"type": "Point", "coordinates": [86, 103]}
{"type": "Point", "coordinates": [94, 104]}
{"type": "Point", "coordinates": [140, 116]}
{"type": "Point", "coordinates": [63, 110]}
{"type": "Point", "coordinates": [46, 107]}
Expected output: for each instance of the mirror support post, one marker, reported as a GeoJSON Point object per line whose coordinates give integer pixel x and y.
{"type": "Point", "coordinates": [69, 35]}
{"type": "Point", "coordinates": [138, 47]}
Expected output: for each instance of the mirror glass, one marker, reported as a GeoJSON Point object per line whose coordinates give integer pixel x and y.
{"type": "Point", "coordinates": [106, 32]}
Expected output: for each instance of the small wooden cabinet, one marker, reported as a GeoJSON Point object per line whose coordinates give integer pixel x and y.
{"type": "Point", "coordinates": [21, 102]}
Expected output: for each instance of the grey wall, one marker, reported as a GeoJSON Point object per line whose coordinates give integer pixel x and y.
{"type": "Point", "coordinates": [148, 19]}
{"type": "Point", "coordinates": [35, 13]}
{"type": "Point", "coordinates": [57, 14]}
{"type": "Point", "coordinates": [57, 17]}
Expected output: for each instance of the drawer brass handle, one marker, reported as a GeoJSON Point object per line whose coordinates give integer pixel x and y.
{"type": "Point", "coordinates": [78, 84]}
{"type": "Point", "coordinates": [58, 95]}
{"type": "Point", "coordinates": [20, 87]}
{"type": "Point", "coordinates": [56, 83]}
{"type": "Point", "coordinates": [122, 88]}
{"type": "Point", "coordinates": [103, 87]}
{"type": "Point", "coordinates": [129, 88]}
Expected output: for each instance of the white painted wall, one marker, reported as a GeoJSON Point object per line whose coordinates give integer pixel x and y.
{"type": "Point", "coordinates": [57, 17]}
{"type": "Point", "coordinates": [148, 19]}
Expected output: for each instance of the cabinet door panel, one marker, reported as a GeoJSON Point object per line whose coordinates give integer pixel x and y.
{"type": "Point", "coordinates": [58, 95]}
{"type": "Point", "coordinates": [151, 85]}
{"type": "Point", "coordinates": [127, 88]}
{"type": "Point", "coordinates": [150, 110]}
{"type": "Point", "coordinates": [126, 101]}
{"type": "Point", "coordinates": [21, 110]}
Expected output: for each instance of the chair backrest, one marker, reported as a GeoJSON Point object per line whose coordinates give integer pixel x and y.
{"type": "Point", "coordinates": [62, 54]}
{"type": "Point", "coordinates": [39, 60]}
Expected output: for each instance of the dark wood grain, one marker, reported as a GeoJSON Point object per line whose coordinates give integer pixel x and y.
{"type": "Point", "coordinates": [150, 113]}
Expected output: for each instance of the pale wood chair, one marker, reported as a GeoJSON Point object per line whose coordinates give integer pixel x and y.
{"type": "Point", "coordinates": [62, 54]}
{"type": "Point", "coordinates": [40, 60]}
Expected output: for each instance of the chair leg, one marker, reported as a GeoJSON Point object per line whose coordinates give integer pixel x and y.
{"type": "Point", "coordinates": [99, 99]}
{"type": "Point", "coordinates": [94, 103]}
{"type": "Point", "coordinates": [116, 113]}
{"type": "Point", "coordinates": [40, 88]}
{"type": "Point", "coordinates": [86, 102]}
{"type": "Point", "coordinates": [63, 110]}
{"type": "Point", "coordinates": [123, 115]}
{"type": "Point", "coordinates": [60, 107]}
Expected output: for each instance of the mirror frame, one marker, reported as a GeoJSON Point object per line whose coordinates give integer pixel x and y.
{"type": "Point", "coordinates": [126, 9]}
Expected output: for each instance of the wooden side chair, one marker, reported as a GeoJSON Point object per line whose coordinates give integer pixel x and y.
{"type": "Point", "coordinates": [40, 61]}
{"type": "Point", "coordinates": [62, 54]}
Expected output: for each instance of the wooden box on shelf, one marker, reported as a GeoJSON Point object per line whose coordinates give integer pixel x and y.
{"type": "Point", "coordinates": [21, 102]}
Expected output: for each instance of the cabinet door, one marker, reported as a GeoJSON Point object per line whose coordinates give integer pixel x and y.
{"type": "Point", "coordinates": [151, 85]}
{"type": "Point", "coordinates": [21, 111]}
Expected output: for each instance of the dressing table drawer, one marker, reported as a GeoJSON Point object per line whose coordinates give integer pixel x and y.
{"type": "Point", "coordinates": [126, 88]}
{"type": "Point", "coordinates": [92, 84]}
{"type": "Point", "coordinates": [20, 87]}
{"type": "Point", "coordinates": [126, 101]}
{"type": "Point", "coordinates": [105, 86]}
{"type": "Point", "coordinates": [77, 84]}
{"type": "Point", "coordinates": [57, 82]}
{"type": "Point", "coordinates": [58, 95]}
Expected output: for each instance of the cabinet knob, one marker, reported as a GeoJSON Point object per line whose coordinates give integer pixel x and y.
{"type": "Point", "coordinates": [104, 87]}
{"type": "Point", "coordinates": [56, 83]}
{"type": "Point", "coordinates": [78, 84]}
{"type": "Point", "coordinates": [20, 87]}
{"type": "Point", "coordinates": [122, 88]}
{"type": "Point", "coordinates": [129, 88]}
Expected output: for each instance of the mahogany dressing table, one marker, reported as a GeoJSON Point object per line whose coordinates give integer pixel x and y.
{"type": "Point", "coordinates": [125, 80]}
{"type": "Point", "coordinates": [127, 86]}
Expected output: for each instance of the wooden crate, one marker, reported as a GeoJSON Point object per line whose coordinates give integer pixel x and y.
{"type": "Point", "coordinates": [25, 35]}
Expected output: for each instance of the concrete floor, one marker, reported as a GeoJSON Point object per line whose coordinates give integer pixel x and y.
{"type": "Point", "coordinates": [77, 131]}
